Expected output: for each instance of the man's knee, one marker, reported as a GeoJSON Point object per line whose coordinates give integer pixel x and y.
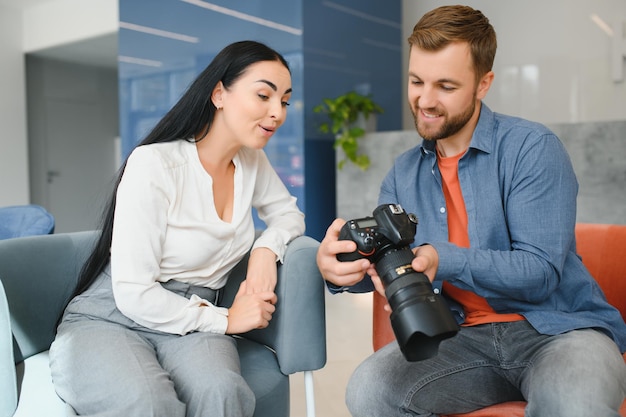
{"type": "Point", "coordinates": [579, 373]}
{"type": "Point", "coordinates": [358, 394]}
{"type": "Point", "coordinates": [367, 392]}
{"type": "Point", "coordinates": [578, 356]}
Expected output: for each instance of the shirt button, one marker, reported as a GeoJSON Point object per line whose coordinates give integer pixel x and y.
{"type": "Point", "coordinates": [436, 290]}
{"type": "Point", "coordinates": [442, 210]}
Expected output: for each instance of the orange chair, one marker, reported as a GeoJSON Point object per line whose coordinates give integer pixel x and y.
{"type": "Point", "coordinates": [603, 251]}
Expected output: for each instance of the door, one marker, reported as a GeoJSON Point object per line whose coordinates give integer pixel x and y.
{"type": "Point", "coordinates": [80, 161]}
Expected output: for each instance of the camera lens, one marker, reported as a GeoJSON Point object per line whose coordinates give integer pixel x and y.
{"type": "Point", "coordinates": [420, 319]}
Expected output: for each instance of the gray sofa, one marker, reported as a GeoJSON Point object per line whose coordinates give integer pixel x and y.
{"type": "Point", "coordinates": [37, 275]}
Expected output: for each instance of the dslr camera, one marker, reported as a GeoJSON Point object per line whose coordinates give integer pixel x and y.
{"type": "Point", "coordinates": [420, 318]}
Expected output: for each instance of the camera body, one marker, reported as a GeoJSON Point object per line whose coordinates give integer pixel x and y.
{"type": "Point", "coordinates": [390, 226]}
{"type": "Point", "coordinates": [420, 318]}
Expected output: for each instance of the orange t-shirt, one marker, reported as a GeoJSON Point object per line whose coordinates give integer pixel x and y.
{"type": "Point", "coordinates": [477, 310]}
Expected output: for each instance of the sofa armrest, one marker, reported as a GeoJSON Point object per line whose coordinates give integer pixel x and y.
{"type": "Point", "coordinates": [40, 268]}
{"type": "Point", "coordinates": [8, 379]}
{"type": "Point", "coordinates": [297, 331]}
{"type": "Point", "coordinates": [37, 276]}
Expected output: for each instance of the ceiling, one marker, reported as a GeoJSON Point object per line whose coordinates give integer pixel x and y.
{"type": "Point", "coordinates": [100, 51]}
{"type": "Point", "coordinates": [22, 4]}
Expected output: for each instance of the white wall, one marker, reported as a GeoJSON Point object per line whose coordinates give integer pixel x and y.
{"type": "Point", "coordinates": [553, 63]}
{"type": "Point", "coordinates": [13, 146]}
{"type": "Point", "coordinates": [46, 25]}
{"type": "Point", "coordinates": [65, 21]}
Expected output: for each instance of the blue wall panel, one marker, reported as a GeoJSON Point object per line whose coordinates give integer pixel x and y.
{"type": "Point", "coordinates": [353, 45]}
{"type": "Point", "coordinates": [348, 45]}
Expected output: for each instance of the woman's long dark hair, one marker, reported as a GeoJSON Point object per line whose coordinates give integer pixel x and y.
{"type": "Point", "coordinates": [192, 116]}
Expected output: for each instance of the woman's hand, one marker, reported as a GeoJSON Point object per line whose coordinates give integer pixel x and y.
{"type": "Point", "coordinates": [250, 310]}
{"type": "Point", "coordinates": [262, 271]}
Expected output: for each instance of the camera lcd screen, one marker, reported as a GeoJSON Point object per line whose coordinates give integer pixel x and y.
{"type": "Point", "coordinates": [367, 223]}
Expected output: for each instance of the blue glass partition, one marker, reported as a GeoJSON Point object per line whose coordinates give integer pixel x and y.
{"type": "Point", "coordinates": [331, 48]}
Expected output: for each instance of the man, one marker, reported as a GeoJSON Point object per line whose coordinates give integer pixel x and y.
{"type": "Point", "coordinates": [496, 199]}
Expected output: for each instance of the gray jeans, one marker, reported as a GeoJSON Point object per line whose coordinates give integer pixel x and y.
{"type": "Point", "coordinates": [105, 364]}
{"type": "Point", "coordinates": [580, 373]}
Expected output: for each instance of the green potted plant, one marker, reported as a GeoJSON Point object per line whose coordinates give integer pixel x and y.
{"type": "Point", "coordinates": [344, 111]}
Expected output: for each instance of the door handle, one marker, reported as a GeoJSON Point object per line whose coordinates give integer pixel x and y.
{"type": "Point", "coordinates": [51, 175]}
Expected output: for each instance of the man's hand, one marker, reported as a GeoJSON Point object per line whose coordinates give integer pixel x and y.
{"type": "Point", "coordinates": [426, 260]}
{"type": "Point", "coordinates": [378, 284]}
{"type": "Point", "coordinates": [334, 271]}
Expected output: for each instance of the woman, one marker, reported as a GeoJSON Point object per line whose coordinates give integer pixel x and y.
{"type": "Point", "coordinates": [144, 334]}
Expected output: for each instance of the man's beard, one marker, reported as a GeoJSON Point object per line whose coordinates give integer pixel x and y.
{"type": "Point", "coordinates": [450, 126]}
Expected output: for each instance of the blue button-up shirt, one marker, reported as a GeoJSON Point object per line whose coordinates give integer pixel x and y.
{"type": "Point", "coordinates": [520, 190]}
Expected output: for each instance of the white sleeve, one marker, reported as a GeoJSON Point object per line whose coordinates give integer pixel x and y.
{"type": "Point", "coordinates": [139, 229]}
{"type": "Point", "coordinates": [277, 208]}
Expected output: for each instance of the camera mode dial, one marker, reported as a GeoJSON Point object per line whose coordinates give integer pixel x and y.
{"type": "Point", "coordinates": [363, 233]}
{"type": "Point", "coordinates": [367, 243]}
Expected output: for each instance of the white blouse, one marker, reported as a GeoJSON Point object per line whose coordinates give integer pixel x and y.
{"type": "Point", "coordinates": [166, 227]}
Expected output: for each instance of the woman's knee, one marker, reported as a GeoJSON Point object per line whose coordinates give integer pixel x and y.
{"type": "Point", "coordinates": [150, 401]}
{"type": "Point", "coordinates": [140, 399]}
{"type": "Point", "coordinates": [99, 368]}
{"type": "Point", "coordinates": [237, 392]}
{"type": "Point", "coordinates": [222, 390]}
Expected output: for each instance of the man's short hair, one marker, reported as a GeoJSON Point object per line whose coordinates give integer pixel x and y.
{"type": "Point", "coordinates": [447, 24]}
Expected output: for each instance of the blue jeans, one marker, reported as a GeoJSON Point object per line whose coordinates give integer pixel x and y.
{"type": "Point", "coordinates": [579, 373]}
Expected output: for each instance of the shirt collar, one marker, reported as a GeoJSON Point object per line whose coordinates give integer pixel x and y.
{"type": "Point", "coordinates": [481, 138]}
